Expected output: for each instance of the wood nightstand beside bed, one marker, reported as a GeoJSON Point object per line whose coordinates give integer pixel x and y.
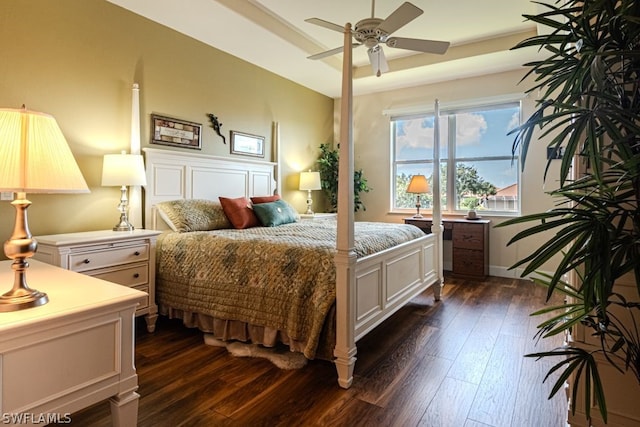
{"type": "Point", "coordinates": [470, 243]}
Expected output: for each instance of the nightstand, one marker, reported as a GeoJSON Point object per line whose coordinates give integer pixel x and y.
{"type": "Point", "coordinates": [72, 352]}
{"type": "Point", "coordinates": [319, 216]}
{"type": "Point", "coordinates": [122, 257]}
{"type": "Point", "coordinates": [470, 243]}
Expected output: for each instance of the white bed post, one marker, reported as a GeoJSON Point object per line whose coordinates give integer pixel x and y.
{"type": "Point", "coordinates": [275, 156]}
{"type": "Point", "coordinates": [436, 224]}
{"type": "Point", "coordinates": [135, 191]}
{"type": "Point", "coordinates": [345, 258]}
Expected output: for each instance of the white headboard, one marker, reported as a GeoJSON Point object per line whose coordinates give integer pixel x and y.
{"type": "Point", "coordinates": [175, 175]}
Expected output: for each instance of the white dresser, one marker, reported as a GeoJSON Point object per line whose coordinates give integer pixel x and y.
{"type": "Point", "coordinates": [74, 351]}
{"type": "Point", "coordinates": [123, 257]}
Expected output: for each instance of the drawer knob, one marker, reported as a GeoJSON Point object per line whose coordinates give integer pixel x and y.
{"type": "Point", "coordinates": [86, 261]}
{"type": "Point", "coordinates": [136, 253]}
{"type": "Point", "coordinates": [136, 275]}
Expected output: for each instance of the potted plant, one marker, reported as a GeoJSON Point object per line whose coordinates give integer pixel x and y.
{"type": "Point", "coordinates": [328, 168]}
{"type": "Point", "coordinates": [589, 106]}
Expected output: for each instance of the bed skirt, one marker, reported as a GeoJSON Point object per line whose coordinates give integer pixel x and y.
{"type": "Point", "coordinates": [236, 330]}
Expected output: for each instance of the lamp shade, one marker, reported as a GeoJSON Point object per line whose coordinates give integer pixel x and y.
{"type": "Point", "coordinates": [123, 169]}
{"type": "Point", "coordinates": [310, 181]}
{"type": "Point", "coordinates": [34, 155]}
{"type": "Point", "coordinates": [418, 185]}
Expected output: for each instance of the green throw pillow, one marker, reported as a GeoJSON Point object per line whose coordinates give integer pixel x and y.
{"type": "Point", "coordinates": [275, 213]}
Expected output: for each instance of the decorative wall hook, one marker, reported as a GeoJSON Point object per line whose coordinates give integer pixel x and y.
{"type": "Point", "coordinates": [216, 125]}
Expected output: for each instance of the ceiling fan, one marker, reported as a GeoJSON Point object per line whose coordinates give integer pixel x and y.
{"type": "Point", "coordinates": [372, 32]}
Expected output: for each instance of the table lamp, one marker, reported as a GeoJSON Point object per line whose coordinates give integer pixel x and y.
{"type": "Point", "coordinates": [34, 158]}
{"type": "Point", "coordinates": [122, 170]}
{"type": "Point", "coordinates": [418, 185]}
{"type": "Point", "coordinates": [310, 181]}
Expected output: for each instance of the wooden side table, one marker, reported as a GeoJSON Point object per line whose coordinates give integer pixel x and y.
{"type": "Point", "coordinates": [123, 257]}
{"type": "Point", "coordinates": [74, 351]}
{"type": "Point", "coordinates": [470, 243]}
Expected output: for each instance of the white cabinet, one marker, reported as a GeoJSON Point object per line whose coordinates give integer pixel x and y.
{"type": "Point", "coordinates": [123, 257]}
{"type": "Point", "coordinates": [74, 351]}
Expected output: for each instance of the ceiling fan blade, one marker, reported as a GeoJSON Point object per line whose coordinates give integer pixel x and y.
{"type": "Point", "coordinates": [330, 52]}
{"type": "Point", "coordinates": [326, 53]}
{"type": "Point", "coordinates": [378, 60]}
{"type": "Point", "coordinates": [325, 24]}
{"type": "Point", "coordinates": [428, 46]}
{"type": "Point", "coordinates": [400, 17]}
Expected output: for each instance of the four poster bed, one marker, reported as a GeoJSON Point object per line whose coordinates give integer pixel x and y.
{"type": "Point", "coordinates": [311, 284]}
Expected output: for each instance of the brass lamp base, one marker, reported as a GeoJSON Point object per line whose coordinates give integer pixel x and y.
{"type": "Point", "coordinates": [19, 248]}
{"type": "Point", "coordinates": [33, 298]}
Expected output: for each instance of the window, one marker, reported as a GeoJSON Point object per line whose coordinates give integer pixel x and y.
{"type": "Point", "coordinates": [477, 168]}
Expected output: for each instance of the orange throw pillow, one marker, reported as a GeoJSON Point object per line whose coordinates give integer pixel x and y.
{"type": "Point", "coordinates": [239, 212]}
{"type": "Point", "coordinates": [265, 199]}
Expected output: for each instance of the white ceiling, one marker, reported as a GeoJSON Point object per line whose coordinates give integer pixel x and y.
{"type": "Point", "coordinates": [273, 34]}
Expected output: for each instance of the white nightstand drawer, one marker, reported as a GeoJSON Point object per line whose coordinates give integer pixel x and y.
{"type": "Point", "coordinates": [135, 275]}
{"type": "Point", "coordinates": [125, 258]}
{"type": "Point", "coordinates": [84, 261]}
{"type": "Point", "coordinates": [145, 303]}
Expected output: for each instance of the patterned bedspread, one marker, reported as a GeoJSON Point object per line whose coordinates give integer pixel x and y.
{"type": "Point", "coordinates": [281, 277]}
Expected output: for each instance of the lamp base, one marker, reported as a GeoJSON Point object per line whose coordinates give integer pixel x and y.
{"type": "Point", "coordinates": [123, 207]}
{"type": "Point", "coordinates": [20, 247]}
{"type": "Point", "coordinates": [418, 215]}
{"type": "Point", "coordinates": [10, 302]}
{"type": "Point", "coordinates": [124, 226]}
{"type": "Point", "coordinates": [309, 204]}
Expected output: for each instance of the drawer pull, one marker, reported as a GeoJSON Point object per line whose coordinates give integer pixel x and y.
{"type": "Point", "coordinates": [136, 275]}
{"type": "Point", "coordinates": [86, 261]}
{"type": "Point", "coordinates": [136, 253]}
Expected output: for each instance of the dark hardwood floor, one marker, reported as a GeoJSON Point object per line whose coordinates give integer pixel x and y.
{"type": "Point", "coordinates": [456, 363]}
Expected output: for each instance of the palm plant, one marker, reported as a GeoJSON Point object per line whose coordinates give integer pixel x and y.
{"type": "Point", "coordinates": [589, 87]}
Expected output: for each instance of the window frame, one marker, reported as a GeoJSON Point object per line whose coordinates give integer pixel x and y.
{"type": "Point", "coordinates": [450, 160]}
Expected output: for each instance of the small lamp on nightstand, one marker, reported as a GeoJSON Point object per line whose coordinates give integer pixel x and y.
{"type": "Point", "coordinates": [34, 158]}
{"type": "Point", "coordinates": [121, 170]}
{"type": "Point", "coordinates": [418, 185]}
{"type": "Point", "coordinates": [310, 181]}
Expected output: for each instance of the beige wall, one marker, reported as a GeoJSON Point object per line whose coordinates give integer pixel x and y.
{"type": "Point", "coordinates": [372, 154]}
{"type": "Point", "coordinates": [78, 59]}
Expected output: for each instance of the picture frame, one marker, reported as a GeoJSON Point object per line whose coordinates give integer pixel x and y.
{"type": "Point", "coordinates": [175, 132]}
{"type": "Point", "coordinates": [246, 144]}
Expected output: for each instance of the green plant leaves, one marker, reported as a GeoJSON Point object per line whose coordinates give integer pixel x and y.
{"type": "Point", "coordinates": [589, 88]}
{"type": "Point", "coordinates": [328, 168]}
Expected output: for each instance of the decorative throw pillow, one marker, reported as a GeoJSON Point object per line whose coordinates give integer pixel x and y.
{"type": "Point", "coordinates": [275, 213]}
{"type": "Point", "coordinates": [239, 212]}
{"type": "Point", "coordinates": [265, 199]}
{"type": "Point", "coordinates": [193, 215]}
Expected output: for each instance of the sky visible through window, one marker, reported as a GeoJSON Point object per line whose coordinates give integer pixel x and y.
{"type": "Point", "coordinates": [479, 134]}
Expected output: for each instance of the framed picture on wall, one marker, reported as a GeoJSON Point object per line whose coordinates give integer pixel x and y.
{"type": "Point", "coordinates": [176, 133]}
{"type": "Point", "coordinates": [247, 144]}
